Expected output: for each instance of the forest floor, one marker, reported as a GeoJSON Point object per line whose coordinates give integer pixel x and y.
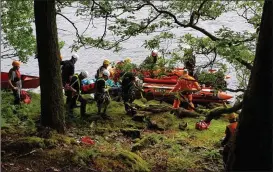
{"type": "Point", "coordinates": [121, 143]}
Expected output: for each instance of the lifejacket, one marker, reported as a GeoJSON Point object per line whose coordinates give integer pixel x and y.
{"type": "Point", "coordinates": [18, 74]}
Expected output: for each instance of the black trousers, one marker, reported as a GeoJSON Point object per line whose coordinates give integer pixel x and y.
{"type": "Point", "coordinates": [103, 100]}
{"type": "Point", "coordinates": [71, 103]}
{"type": "Point", "coordinates": [127, 98]}
{"type": "Point", "coordinates": [16, 97]}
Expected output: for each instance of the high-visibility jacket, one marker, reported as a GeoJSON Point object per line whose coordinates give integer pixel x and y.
{"type": "Point", "coordinates": [76, 83]}
{"type": "Point", "coordinates": [186, 82]}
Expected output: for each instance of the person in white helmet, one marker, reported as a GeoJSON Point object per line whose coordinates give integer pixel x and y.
{"type": "Point", "coordinates": [102, 96]}
{"type": "Point", "coordinates": [150, 61]}
{"type": "Point", "coordinates": [74, 93]}
{"type": "Point", "coordinates": [68, 68]}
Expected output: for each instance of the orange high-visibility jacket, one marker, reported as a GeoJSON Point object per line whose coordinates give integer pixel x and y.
{"type": "Point", "coordinates": [186, 82]}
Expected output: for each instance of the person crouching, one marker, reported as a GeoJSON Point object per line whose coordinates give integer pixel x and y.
{"type": "Point", "coordinates": [102, 96]}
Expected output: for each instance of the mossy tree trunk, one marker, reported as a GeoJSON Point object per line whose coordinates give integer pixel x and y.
{"type": "Point", "coordinates": [52, 105]}
{"type": "Point", "coordinates": [252, 150]}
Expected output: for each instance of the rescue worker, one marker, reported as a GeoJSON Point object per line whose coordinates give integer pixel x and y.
{"type": "Point", "coordinates": [230, 135]}
{"type": "Point", "coordinates": [15, 81]}
{"type": "Point", "coordinates": [74, 93]}
{"type": "Point", "coordinates": [128, 92]}
{"type": "Point", "coordinates": [189, 61]}
{"type": "Point", "coordinates": [184, 85]}
{"type": "Point", "coordinates": [150, 61]}
{"type": "Point", "coordinates": [104, 66]}
{"type": "Point", "coordinates": [102, 95]}
{"type": "Point", "coordinates": [68, 69]}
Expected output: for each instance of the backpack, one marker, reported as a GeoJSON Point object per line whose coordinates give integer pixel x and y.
{"type": "Point", "coordinates": [25, 97]}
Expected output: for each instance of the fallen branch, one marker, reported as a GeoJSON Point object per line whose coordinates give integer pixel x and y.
{"type": "Point", "coordinates": [216, 113]}
{"type": "Point", "coordinates": [31, 152]}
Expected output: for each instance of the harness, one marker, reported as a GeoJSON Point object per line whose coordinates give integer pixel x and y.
{"type": "Point", "coordinates": [102, 97]}
{"type": "Point", "coordinates": [79, 84]}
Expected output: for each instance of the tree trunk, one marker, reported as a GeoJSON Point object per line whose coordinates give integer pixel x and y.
{"type": "Point", "coordinates": [52, 104]}
{"type": "Point", "coordinates": [252, 150]}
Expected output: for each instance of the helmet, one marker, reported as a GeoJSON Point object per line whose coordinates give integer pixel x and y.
{"type": "Point", "coordinates": [154, 53]}
{"type": "Point", "coordinates": [84, 74]}
{"type": "Point", "coordinates": [106, 73]}
{"type": "Point", "coordinates": [232, 116]}
{"type": "Point", "coordinates": [75, 56]}
{"type": "Point", "coordinates": [16, 63]}
{"type": "Point", "coordinates": [106, 61]}
{"type": "Point", "coordinates": [185, 71]}
{"type": "Point", "coordinates": [128, 60]}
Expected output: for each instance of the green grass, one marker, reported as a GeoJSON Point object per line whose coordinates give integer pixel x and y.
{"type": "Point", "coordinates": [171, 149]}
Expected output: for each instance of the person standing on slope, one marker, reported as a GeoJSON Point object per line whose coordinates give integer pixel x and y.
{"type": "Point", "coordinates": [102, 95]}
{"type": "Point", "coordinates": [74, 93]}
{"type": "Point", "coordinates": [185, 86]}
{"type": "Point", "coordinates": [68, 69]}
{"type": "Point", "coordinates": [15, 81]}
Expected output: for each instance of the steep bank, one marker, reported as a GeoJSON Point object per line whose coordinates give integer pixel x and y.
{"type": "Point", "coordinates": [121, 144]}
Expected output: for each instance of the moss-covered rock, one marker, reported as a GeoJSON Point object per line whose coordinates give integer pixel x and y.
{"type": "Point", "coordinates": [146, 141]}
{"type": "Point", "coordinates": [133, 133]}
{"type": "Point", "coordinates": [133, 161]}
{"type": "Point", "coordinates": [25, 144]}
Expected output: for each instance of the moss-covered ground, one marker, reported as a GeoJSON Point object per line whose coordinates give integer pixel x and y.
{"type": "Point", "coordinates": [121, 143]}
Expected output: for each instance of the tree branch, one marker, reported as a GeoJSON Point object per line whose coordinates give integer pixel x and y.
{"type": "Point", "coordinates": [8, 56]}
{"type": "Point", "coordinates": [73, 24]}
{"type": "Point", "coordinates": [212, 37]}
{"type": "Point", "coordinates": [236, 90]}
{"type": "Point", "coordinates": [105, 30]}
{"type": "Point", "coordinates": [245, 63]}
{"type": "Point", "coordinates": [216, 113]}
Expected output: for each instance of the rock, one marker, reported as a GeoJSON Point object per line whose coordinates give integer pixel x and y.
{"type": "Point", "coordinates": [138, 117]}
{"type": "Point", "coordinates": [154, 126]}
{"type": "Point", "coordinates": [133, 133]}
{"type": "Point", "coordinates": [183, 126]}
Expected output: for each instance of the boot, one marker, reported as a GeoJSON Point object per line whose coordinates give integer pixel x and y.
{"type": "Point", "coordinates": [83, 110]}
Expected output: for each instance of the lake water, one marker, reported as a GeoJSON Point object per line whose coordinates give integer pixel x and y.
{"type": "Point", "coordinates": [91, 59]}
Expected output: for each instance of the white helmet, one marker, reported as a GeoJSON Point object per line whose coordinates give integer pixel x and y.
{"type": "Point", "coordinates": [106, 73]}
{"type": "Point", "coordinates": [75, 56]}
{"type": "Point", "coordinates": [154, 52]}
{"type": "Point", "coordinates": [84, 74]}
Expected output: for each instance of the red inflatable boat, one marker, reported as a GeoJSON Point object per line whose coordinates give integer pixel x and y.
{"type": "Point", "coordinates": [160, 88]}
{"type": "Point", "coordinates": [27, 81]}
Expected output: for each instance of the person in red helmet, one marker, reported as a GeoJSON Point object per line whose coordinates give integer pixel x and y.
{"type": "Point", "coordinates": [15, 81]}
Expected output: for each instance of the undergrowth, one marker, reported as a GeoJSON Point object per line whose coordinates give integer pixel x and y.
{"type": "Point", "coordinates": [121, 144]}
